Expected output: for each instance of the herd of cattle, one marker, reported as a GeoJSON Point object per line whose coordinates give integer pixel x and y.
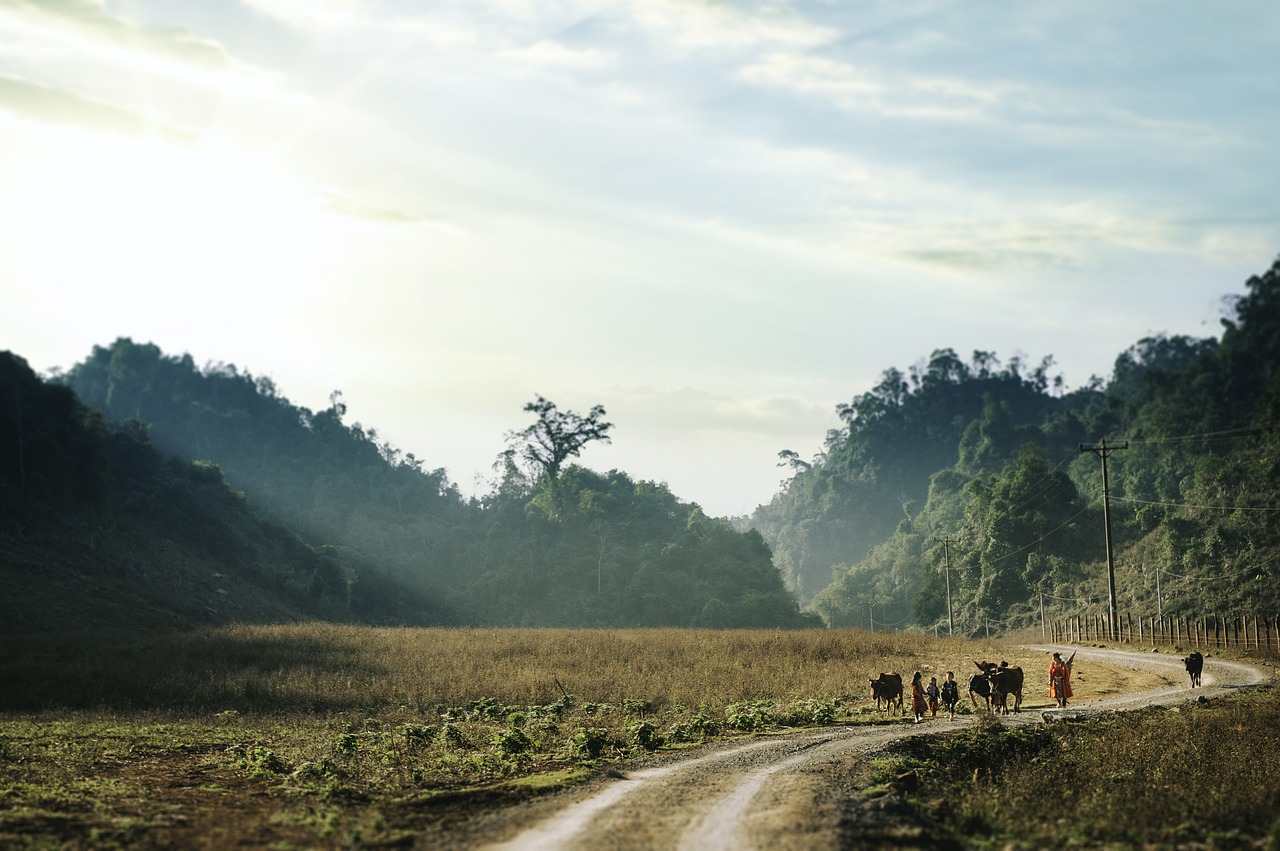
{"type": "Point", "coordinates": [994, 683]}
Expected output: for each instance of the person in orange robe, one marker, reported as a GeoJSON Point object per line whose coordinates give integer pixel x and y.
{"type": "Point", "coordinates": [918, 703]}
{"type": "Point", "coordinates": [1060, 679]}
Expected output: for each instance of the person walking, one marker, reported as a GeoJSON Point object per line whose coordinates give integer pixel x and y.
{"type": "Point", "coordinates": [931, 691]}
{"type": "Point", "coordinates": [918, 704]}
{"type": "Point", "coordinates": [950, 695]}
{"type": "Point", "coordinates": [1060, 678]}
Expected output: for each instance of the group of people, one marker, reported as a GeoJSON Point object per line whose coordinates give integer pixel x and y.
{"type": "Point", "coordinates": [928, 698]}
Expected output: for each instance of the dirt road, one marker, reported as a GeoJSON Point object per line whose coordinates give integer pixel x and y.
{"type": "Point", "coordinates": [782, 792]}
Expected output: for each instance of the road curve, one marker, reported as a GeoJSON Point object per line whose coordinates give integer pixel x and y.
{"type": "Point", "coordinates": [767, 793]}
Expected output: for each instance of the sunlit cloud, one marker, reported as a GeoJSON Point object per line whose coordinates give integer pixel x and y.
{"type": "Point", "coordinates": [718, 219]}
{"type": "Point", "coordinates": [87, 19]}
{"type": "Point", "coordinates": [707, 25]}
{"type": "Point", "coordinates": [45, 104]}
{"type": "Point", "coordinates": [345, 206]}
{"type": "Point", "coordinates": [358, 19]}
{"type": "Point", "coordinates": [549, 53]}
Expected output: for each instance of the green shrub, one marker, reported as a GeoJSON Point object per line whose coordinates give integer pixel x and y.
{"type": "Point", "coordinates": [645, 735]}
{"type": "Point", "coordinates": [512, 741]}
{"type": "Point", "coordinates": [589, 742]}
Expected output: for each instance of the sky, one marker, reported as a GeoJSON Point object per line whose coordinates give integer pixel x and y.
{"type": "Point", "coordinates": [717, 220]}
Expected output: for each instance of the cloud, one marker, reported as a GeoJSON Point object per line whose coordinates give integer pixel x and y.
{"type": "Point", "coordinates": [345, 206]}
{"type": "Point", "coordinates": [87, 19]}
{"type": "Point", "coordinates": [853, 89]}
{"type": "Point", "coordinates": [48, 105]}
{"type": "Point", "coordinates": [696, 410]}
{"type": "Point", "coordinates": [355, 18]}
{"type": "Point", "coordinates": [704, 25]}
{"type": "Point", "coordinates": [548, 53]}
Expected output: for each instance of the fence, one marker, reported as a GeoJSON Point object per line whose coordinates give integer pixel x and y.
{"type": "Point", "coordinates": [1242, 631]}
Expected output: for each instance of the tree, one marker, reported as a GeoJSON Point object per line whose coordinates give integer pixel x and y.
{"type": "Point", "coordinates": [558, 436]}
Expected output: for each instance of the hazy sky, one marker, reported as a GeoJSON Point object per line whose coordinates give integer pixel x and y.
{"type": "Point", "coordinates": [718, 220]}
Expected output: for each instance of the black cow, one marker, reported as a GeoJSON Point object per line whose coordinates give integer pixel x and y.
{"type": "Point", "coordinates": [1005, 682]}
{"type": "Point", "coordinates": [980, 686]}
{"type": "Point", "coordinates": [1195, 666]}
{"type": "Point", "coordinates": [888, 688]}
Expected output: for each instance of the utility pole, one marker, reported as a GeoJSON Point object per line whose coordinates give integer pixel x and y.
{"type": "Point", "coordinates": [1103, 451]}
{"type": "Point", "coordinates": [946, 550]}
{"type": "Point", "coordinates": [1159, 601]}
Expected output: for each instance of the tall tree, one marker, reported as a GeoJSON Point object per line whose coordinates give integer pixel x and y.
{"type": "Point", "coordinates": [556, 436]}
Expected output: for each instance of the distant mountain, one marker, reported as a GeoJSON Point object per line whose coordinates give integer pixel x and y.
{"type": "Point", "coordinates": [141, 490]}
{"type": "Point", "coordinates": [573, 548]}
{"type": "Point", "coordinates": [100, 531]}
{"type": "Point", "coordinates": [979, 466]}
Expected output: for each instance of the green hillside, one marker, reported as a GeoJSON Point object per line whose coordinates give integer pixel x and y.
{"type": "Point", "coordinates": [553, 545]}
{"type": "Point", "coordinates": [99, 530]}
{"type": "Point", "coordinates": [981, 467]}
{"type": "Point", "coordinates": [139, 488]}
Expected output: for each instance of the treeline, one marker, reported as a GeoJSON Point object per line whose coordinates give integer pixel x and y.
{"type": "Point", "coordinates": [561, 547]}
{"type": "Point", "coordinates": [99, 528]}
{"type": "Point", "coordinates": [979, 468]}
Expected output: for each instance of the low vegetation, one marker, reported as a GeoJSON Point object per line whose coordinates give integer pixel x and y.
{"type": "Point", "coordinates": [1194, 776]}
{"type": "Point", "coordinates": [336, 736]}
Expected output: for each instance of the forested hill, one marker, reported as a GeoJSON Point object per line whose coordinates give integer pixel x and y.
{"type": "Point", "coordinates": [99, 530]}
{"type": "Point", "coordinates": [139, 487]}
{"type": "Point", "coordinates": [979, 465]}
{"type": "Point", "coordinates": [558, 546]}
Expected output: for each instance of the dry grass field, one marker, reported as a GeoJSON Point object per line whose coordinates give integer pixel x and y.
{"type": "Point", "coordinates": [325, 735]}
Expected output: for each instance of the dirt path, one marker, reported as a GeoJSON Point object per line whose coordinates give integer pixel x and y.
{"type": "Point", "coordinates": [776, 792]}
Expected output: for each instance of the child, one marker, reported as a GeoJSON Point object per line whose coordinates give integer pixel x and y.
{"type": "Point", "coordinates": [950, 695]}
{"type": "Point", "coordinates": [932, 692]}
{"type": "Point", "coordinates": [918, 705]}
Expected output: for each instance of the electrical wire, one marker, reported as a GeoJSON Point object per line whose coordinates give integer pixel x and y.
{"type": "Point", "coordinates": [1192, 505]}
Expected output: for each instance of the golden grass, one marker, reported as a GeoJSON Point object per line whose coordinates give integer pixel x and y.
{"type": "Point", "coordinates": [321, 713]}
{"type": "Point", "coordinates": [326, 667]}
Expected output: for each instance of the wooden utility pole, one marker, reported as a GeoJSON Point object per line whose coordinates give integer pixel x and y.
{"type": "Point", "coordinates": [1159, 600]}
{"type": "Point", "coordinates": [946, 550]}
{"type": "Point", "coordinates": [1103, 451]}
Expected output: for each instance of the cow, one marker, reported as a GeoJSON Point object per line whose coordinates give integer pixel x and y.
{"type": "Point", "coordinates": [888, 688]}
{"type": "Point", "coordinates": [1005, 682]}
{"type": "Point", "coordinates": [1195, 666]}
{"type": "Point", "coordinates": [980, 686]}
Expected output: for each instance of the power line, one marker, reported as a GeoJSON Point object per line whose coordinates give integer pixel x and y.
{"type": "Point", "coordinates": [1042, 538]}
{"type": "Point", "coordinates": [1203, 579]}
{"type": "Point", "coordinates": [1193, 505]}
{"type": "Point", "coordinates": [1224, 434]}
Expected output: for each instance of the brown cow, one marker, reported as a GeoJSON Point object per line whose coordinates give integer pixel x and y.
{"type": "Point", "coordinates": [888, 688]}
{"type": "Point", "coordinates": [1005, 682]}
